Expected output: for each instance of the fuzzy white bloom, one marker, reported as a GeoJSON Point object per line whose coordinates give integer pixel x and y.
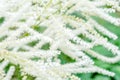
{"type": "Point", "coordinates": [35, 33]}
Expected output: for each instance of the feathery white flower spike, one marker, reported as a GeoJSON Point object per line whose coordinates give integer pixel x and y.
{"type": "Point", "coordinates": [35, 33]}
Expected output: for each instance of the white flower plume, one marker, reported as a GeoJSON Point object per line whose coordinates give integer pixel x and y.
{"type": "Point", "coordinates": [29, 25]}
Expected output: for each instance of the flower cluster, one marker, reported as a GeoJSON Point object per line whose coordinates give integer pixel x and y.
{"type": "Point", "coordinates": [34, 33]}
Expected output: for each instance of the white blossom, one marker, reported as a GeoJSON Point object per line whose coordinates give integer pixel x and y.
{"type": "Point", "coordinates": [22, 24]}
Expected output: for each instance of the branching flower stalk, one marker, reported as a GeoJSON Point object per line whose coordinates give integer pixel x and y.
{"type": "Point", "coordinates": [29, 25]}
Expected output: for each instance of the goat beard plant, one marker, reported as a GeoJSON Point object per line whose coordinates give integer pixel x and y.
{"type": "Point", "coordinates": [30, 25]}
